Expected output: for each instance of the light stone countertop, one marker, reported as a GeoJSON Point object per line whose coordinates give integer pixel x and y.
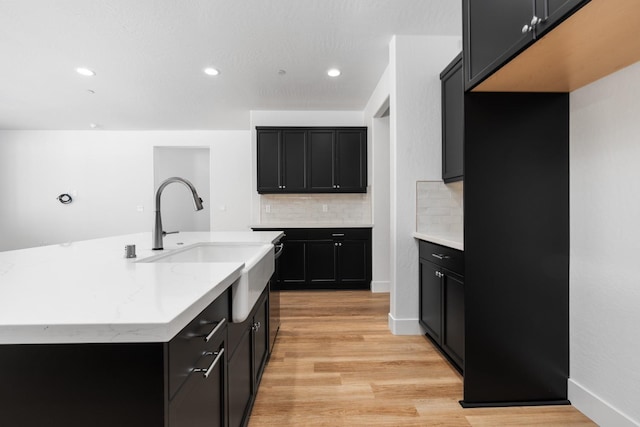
{"type": "Point", "coordinates": [285, 225]}
{"type": "Point", "coordinates": [87, 292]}
{"type": "Point", "coordinates": [455, 242]}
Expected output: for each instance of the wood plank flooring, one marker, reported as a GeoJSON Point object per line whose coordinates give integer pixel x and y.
{"type": "Point", "coordinates": [335, 363]}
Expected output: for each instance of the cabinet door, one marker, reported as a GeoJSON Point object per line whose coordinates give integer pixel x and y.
{"type": "Point", "coordinates": [200, 402]}
{"type": "Point", "coordinates": [453, 333]}
{"type": "Point", "coordinates": [321, 155]}
{"type": "Point", "coordinates": [291, 265]}
{"type": "Point", "coordinates": [493, 34]}
{"type": "Point", "coordinates": [294, 154]}
{"type": "Point", "coordinates": [553, 12]}
{"type": "Point", "coordinates": [351, 161]}
{"type": "Point", "coordinates": [353, 268]}
{"type": "Point", "coordinates": [453, 122]}
{"type": "Point", "coordinates": [431, 300]}
{"type": "Point", "coordinates": [260, 343]}
{"type": "Point", "coordinates": [269, 159]}
{"type": "Point", "coordinates": [240, 380]}
{"type": "Point", "coordinates": [321, 262]}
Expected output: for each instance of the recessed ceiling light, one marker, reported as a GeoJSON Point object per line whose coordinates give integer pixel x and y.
{"type": "Point", "coordinates": [210, 71]}
{"type": "Point", "coordinates": [91, 91]}
{"type": "Point", "coordinates": [334, 72]}
{"type": "Point", "coordinates": [85, 71]}
{"type": "Point", "coordinates": [282, 72]}
{"type": "Point", "coordinates": [93, 126]}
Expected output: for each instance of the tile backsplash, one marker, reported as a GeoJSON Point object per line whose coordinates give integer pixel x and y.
{"type": "Point", "coordinates": [439, 208]}
{"type": "Point", "coordinates": [315, 208]}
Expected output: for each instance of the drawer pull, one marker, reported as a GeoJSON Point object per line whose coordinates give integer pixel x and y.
{"type": "Point", "coordinates": [207, 371]}
{"type": "Point", "coordinates": [440, 256]}
{"type": "Point", "coordinates": [337, 234]}
{"type": "Point", "coordinates": [216, 329]}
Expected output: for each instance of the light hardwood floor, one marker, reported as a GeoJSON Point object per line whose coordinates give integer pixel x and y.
{"type": "Point", "coordinates": [335, 363]}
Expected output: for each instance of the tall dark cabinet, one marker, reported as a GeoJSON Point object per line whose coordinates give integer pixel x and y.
{"type": "Point", "coordinates": [516, 201]}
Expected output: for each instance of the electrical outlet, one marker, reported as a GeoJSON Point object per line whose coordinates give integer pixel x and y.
{"type": "Point", "coordinates": [325, 208]}
{"type": "Point", "coordinates": [140, 208]}
{"type": "Point", "coordinates": [267, 208]}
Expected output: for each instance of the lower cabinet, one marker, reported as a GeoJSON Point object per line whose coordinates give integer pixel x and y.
{"type": "Point", "coordinates": [202, 399]}
{"type": "Point", "coordinates": [442, 299]}
{"type": "Point", "coordinates": [325, 258]}
{"type": "Point", "coordinates": [249, 343]}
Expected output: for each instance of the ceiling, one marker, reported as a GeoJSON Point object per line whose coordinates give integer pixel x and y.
{"type": "Point", "coordinates": [149, 56]}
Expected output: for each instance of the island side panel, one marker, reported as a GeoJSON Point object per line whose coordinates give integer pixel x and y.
{"type": "Point", "coordinates": [83, 385]}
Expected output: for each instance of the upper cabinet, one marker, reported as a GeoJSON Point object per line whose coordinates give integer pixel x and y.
{"type": "Point", "coordinates": [493, 34]}
{"type": "Point", "coordinates": [312, 160]}
{"type": "Point", "coordinates": [452, 82]}
{"type": "Point", "coordinates": [281, 160]}
{"type": "Point", "coordinates": [546, 45]}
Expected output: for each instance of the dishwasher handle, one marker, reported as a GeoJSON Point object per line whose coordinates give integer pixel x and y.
{"type": "Point", "coordinates": [279, 249]}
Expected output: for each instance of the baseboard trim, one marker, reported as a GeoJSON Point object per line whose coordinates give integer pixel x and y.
{"type": "Point", "coordinates": [383, 287]}
{"type": "Point", "coordinates": [600, 412]}
{"type": "Point", "coordinates": [465, 404]}
{"type": "Point", "coordinates": [404, 326]}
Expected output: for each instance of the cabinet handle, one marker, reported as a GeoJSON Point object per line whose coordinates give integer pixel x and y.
{"type": "Point", "coordinates": [256, 326]}
{"type": "Point", "coordinates": [535, 21]}
{"type": "Point", "coordinates": [337, 234]}
{"type": "Point", "coordinates": [338, 186]}
{"type": "Point", "coordinates": [207, 371]}
{"type": "Point", "coordinates": [438, 274]}
{"type": "Point", "coordinates": [440, 256]}
{"type": "Point", "coordinates": [526, 28]}
{"type": "Point", "coordinates": [213, 332]}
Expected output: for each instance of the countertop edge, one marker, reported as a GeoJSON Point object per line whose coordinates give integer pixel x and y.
{"type": "Point", "coordinates": [439, 240]}
{"type": "Point", "coordinates": [285, 226]}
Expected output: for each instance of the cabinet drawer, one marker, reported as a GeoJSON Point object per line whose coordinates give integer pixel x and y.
{"type": "Point", "coordinates": [188, 346]}
{"type": "Point", "coordinates": [445, 257]}
{"type": "Point", "coordinates": [339, 233]}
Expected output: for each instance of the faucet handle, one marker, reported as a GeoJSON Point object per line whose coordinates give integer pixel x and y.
{"type": "Point", "coordinates": [164, 233]}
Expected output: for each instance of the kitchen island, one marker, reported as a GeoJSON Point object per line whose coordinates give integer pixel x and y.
{"type": "Point", "coordinates": [88, 337]}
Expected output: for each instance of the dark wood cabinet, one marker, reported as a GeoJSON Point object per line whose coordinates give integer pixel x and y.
{"type": "Point", "coordinates": [321, 159]}
{"type": "Point", "coordinates": [201, 401]}
{"type": "Point", "coordinates": [312, 160]}
{"type": "Point", "coordinates": [321, 262]}
{"type": "Point", "coordinates": [452, 82]}
{"type": "Point", "coordinates": [441, 303]}
{"type": "Point", "coordinates": [494, 31]}
{"type": "Point", "coordinates": [350, 164]}
{"type": "Point", "coordinates": [325, 258]}
{"type": "Point", "coordinates": [431, 300]}
{"type": "Point", "coordinates": [281, 160]}
{"type": "Point", "coordinates": [249, 343]}
{"type": "Point", "coordinates": [553, 12]}
{"type": "Point", "coordinates": [292, 271]}
{"type": "Point", "coordinates": [453, 316]}
{"type": "Point", "coordinates": [240, 378]}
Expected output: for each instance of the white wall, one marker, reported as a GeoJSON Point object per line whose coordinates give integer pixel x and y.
{"type": "Point", "coordinates": [177, 205]}
{"type": "Point", "coordinates": [380, 180]}
{"type": "Point", "coordinates": [414, 68]}
{"type": "Point", "coordinates": [605, 249]}
{"type": "Point", "coordinates": [111, 174]}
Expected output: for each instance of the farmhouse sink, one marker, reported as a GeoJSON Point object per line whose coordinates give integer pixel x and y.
{"type": "Point", "coordinates": [258, 259]}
